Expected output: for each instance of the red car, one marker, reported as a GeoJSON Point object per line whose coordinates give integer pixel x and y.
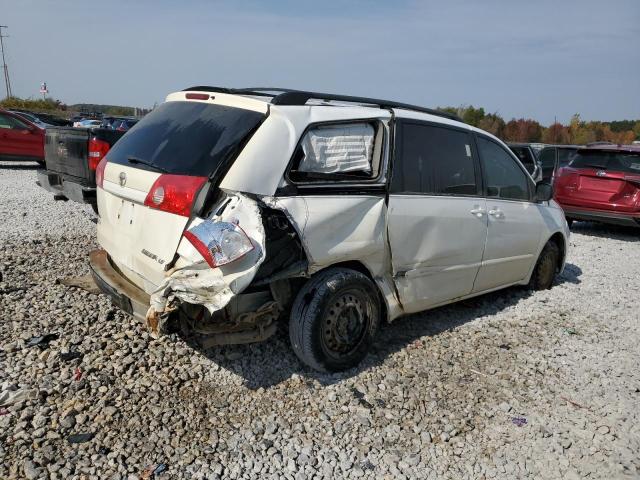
{"type": "Point", "coordinates": [20, 139]}
{"type": "Point", "coordinates": [601, 183]}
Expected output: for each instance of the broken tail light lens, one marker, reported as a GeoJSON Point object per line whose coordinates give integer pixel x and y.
{"type": "Point", "coordinates": [100, 172]}
{"type": "Point", "coordinates": [219, 242]}
{"type": "Point", "coordinates": [97, 150]}
{"type": "Point", "coordinates": [174, 193]}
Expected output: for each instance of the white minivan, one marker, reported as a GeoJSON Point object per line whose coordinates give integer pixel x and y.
{"type": "Point", "coordinates": [225, 210]}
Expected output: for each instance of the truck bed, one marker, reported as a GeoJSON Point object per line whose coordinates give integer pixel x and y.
{"type": "Point", "coordinates": [67, 174]}
{"type": "Point", "coordinates": [66, 149]}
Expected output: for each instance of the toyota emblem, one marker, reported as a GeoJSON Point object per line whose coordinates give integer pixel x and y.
{"type": "Point", "coordinates": [123, 179]}
{"type": "Point", "coordinates": [601, 173]}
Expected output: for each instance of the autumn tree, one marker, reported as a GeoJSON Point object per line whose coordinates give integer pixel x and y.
{"type": "Point", "coordinates": [523, 130]}
{"type": "Point", "coordinates": [492, 123]}
{"type": "Point", "coordinates": [556, 134]}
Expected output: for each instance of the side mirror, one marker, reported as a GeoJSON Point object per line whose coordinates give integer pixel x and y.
{"type": "Point", "coordinates": [544, 192]}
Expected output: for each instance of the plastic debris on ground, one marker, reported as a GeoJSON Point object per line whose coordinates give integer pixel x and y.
{"type": "Point", "coordinates": [80, 437]}
{"type": "Point", "coordinates": [152, 470]}
{"type": "Point", "coordinates": [68, 356]}
{"type": "Point", "coordinates": [42, 341]}
{"type": "Point", "coordinates": [84, 282]}
{"type": "Point", "coordinates": [519, 421]}
{"type": "Point", "coordinates": [10, 394]}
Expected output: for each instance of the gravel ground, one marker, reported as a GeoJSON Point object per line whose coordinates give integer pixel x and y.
{"type": "Point", "coordinates": [508, 385]}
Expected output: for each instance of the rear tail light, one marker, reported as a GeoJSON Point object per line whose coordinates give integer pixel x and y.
{"type": "Point", "coordinates": [219, 242]}
{"type": "Point", "coordinates": [97, 150]}
{"type": "Point", "coordinates": [100, 172]}
{"type": "Point", "coordinates": [174, 193]}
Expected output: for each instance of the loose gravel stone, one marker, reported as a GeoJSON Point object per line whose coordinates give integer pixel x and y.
{"type": "Point", "coordinates": [436, 398]}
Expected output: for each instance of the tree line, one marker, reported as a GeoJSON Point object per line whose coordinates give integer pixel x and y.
{"type": "Point", "coordinates": [577, 132]}
{"type": "Point", "coordinates": [50, 105]}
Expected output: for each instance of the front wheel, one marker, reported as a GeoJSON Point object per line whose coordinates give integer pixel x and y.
{"type": "Point", "coordinates": [334, 319]}
{"type": "Point", "coordinates": [546, 267]}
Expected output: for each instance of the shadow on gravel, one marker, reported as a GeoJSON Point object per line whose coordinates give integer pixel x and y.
{"type": "Point", "coordinates": [272, 362]}
{"type": "Point", "coordinates": [19, 166]}
{"type": "Point", "coordinates": [602, 230]}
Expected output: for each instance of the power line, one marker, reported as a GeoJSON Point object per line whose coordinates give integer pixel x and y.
{"type": "Point", "coordinates": [5, 68]}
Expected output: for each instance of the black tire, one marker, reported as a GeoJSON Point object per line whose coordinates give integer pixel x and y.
{"type": "Point", "coordinates": [546, 267]}
{"type": "Point", "coordinates": [94, 206]}
{"type": "Point", "coordinates": [569, 222]}
{"type": "Point", "coordinates": [334, 319]}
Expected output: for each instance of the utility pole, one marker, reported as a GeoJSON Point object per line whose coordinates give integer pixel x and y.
{"type": "Point", "coordinates": [7, 82]}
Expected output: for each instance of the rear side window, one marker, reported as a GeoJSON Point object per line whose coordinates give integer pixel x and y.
{"type": "Point", "coordinates": [9, 122]}
{"type": "Point", "coordinates": [338, 149]}
{"type": "Point", "coordinates": [502, 175]}
{"type": "Point", "coordinates": [434, 161]}
{"type": "Point", "coordinates": [339, 152]}
{"type": "Point", "coordinates": [565, 155]}
{"type": "Point", "coordinates": [615, 161]}
{"type": "Point", "coordinates": [186, 138]}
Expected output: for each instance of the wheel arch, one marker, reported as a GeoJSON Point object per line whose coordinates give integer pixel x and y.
{"type": "Point", "coordinates": [362, 268]}
{"type": "Point", "coordinates": [559, 239]}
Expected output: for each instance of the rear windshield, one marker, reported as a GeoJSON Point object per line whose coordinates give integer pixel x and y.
{"type": "Point", "coordinates": [565, 155]}
{"type": "Point", "coordinates": [615, 161]}
{"type": "Point", "coordinates": [185, 138]}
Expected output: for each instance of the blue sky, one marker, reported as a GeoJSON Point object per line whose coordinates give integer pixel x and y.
{"type": "Point", "coordinates": [541, 59]}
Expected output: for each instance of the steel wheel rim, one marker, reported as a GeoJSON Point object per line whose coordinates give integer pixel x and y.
{"type": "Point", "coordinates": [345, 322]}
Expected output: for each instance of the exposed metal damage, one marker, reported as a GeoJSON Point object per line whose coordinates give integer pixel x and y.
{"type": "Point", "coordinates": [236, 299]}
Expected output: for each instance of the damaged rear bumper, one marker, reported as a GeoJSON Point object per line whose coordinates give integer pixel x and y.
{"type": "Point", "coordinates": [123, 293]}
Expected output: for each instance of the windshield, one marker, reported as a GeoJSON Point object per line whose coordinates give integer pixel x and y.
{"type": "Point", "coordinates": [615, 161]}
{"type": "Point", "coordinates": [186, 138]}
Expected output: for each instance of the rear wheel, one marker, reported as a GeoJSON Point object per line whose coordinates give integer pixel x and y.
{"type": "Point", "coordinates": [546, 267]}
{"type": "Point", "coordinates": [334, 319]}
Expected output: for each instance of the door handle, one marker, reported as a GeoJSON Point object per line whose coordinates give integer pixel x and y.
{"type": "Point", "coordinates": [497, 213]}
{"type": "Point", "coordinates": [477, 211]}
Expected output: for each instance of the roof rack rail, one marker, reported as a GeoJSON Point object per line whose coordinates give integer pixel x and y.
{"type": "Point", "coordinates": [295, 97]}
{"type": "Point", "coordinates": [285, 96]}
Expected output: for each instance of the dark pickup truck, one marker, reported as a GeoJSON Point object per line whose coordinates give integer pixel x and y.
{"type": "Point", "coordinates": [71, 156]}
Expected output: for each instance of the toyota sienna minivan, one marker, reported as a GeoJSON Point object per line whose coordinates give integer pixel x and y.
{"type": "Point", "coordinates": [224, 211]}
